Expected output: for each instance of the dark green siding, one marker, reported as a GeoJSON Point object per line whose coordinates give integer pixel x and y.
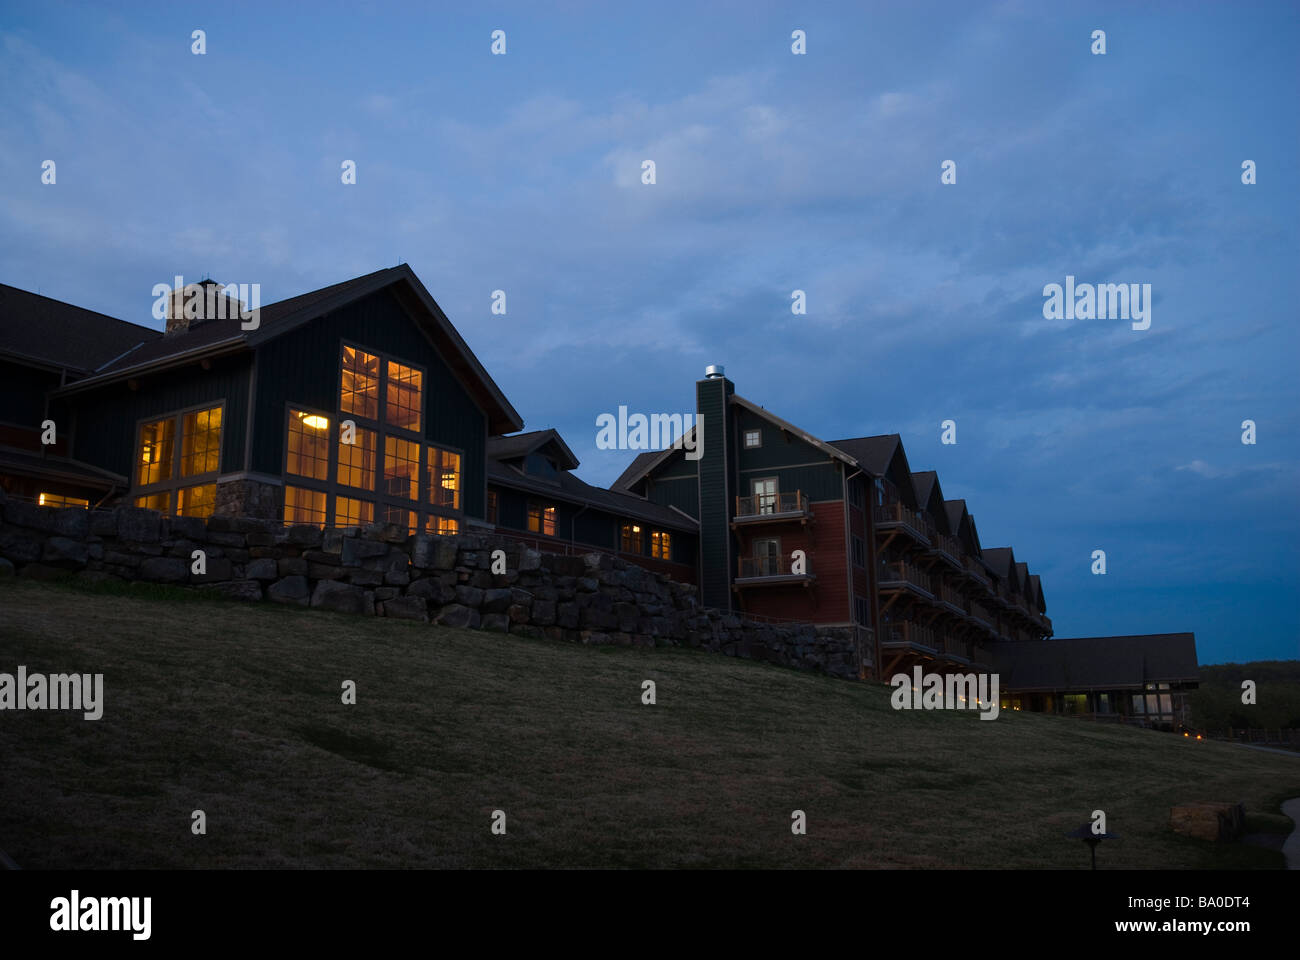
{"type": "Point", "coordinates": [680, 492]}
{"type": "Point", "coordinates": [104, 420]}
{"type": "Point", "coordinates": [778, 446]}
{"type": "Point", "coordinates": [302, 367]}
{"type": "Point", "coordinates": [716, 490]}
{"type": "Point", "coordinates": [821, 482]}
{"type": "Point", "coordinates": [22, 395]}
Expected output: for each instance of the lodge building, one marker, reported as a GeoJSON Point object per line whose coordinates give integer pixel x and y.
{"type": "Point", "coordinates": [361, 403]}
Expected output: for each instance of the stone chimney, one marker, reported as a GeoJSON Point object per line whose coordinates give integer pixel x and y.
{"type": "Point", "coordinates": [197, 303]}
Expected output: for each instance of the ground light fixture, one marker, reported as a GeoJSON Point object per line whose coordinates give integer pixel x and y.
{"type": "Point", "coordinates": [1085, 834]}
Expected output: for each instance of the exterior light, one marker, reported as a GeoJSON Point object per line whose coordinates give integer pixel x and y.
{"type": "Point", "coordinates": [1085, 834]}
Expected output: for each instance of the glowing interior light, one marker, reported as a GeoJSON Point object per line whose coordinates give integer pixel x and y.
{"type": "Point", "coordinates": [314, 421]}
{"type": "Point", "coordinates": [42, 500]}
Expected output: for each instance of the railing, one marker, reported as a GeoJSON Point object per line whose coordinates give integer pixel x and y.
{"type": "Point", "coordinates": [771, 504]}
{"type": "Point", "coordinates": [897, 513]}
{"type": "Point", "coordinates": [905, 631]}
{"type": "Point", "coordinates": [974, 569]}
{"type": "Point", "coordinates": [947, 544]}
{"type": "Point", "coordinates": [768, 567]}
{"type": "Point", "coordinates": [902, 572]}
{"type": "Point", "coordinates": [952, 595]}
{"type": "Point", "coordinates": [981, 615]}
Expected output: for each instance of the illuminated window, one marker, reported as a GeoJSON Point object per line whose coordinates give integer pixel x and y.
{"type": "Point", "coordinates": [399, 516]}
{"type": "Point", "coordinates": [156, 452]}
{"type": "Point", "coordinates": [631, 538]}
{"type": "Point", "coordinates": [155, 501]}
{"type": "Point", "coordinates": [442, 526]}
{"type": "Point", "coordinates": [541, 519]}
{"type": "Point", "coordinates": [182, 446]}
{"type": "Point", "coordinates": [196, 501]}
{"type": "Point", "coordinates": [353, 513]}
{"type": "Point", "coordinates": [201, 442]}
{"type": "Point", "coordinates": [660, 545]}
{"type": "Point", "coordinates": [444, 478]}
{"type": "Point", "coordinates": [309, 445]}
{"type": "Point", "coordinates": [304, 506]}
{"type": "Point", "coordinates": [55, 500]}
{"type": "Point", "coordinates": [402, 407]}
{"type": "Point", "coordinates": [492, 507]}
{"type": "Point", "coordinates": [359, 384]}
{"type": "Point", "coordinates": [401, 468]}
{"type": "Point", "coordinates": [357, 459]}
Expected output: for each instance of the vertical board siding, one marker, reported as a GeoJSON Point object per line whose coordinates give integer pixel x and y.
{"type": "Point", "coordinates": [106, 417]}
{"type": "Point", "coordinates": [714, 496]}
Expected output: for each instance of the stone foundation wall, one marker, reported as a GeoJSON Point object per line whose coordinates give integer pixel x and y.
{"type": "Point", "coordinates": [379, 570]}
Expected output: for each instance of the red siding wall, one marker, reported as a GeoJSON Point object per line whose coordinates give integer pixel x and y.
{"type": "Point", "coordinates": [827, 601]}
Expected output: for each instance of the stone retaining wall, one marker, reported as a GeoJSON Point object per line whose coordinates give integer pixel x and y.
{"type": "Point", "coordinates": [379, 570]}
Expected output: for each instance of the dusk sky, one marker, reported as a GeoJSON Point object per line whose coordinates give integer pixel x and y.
{"type": "Point", "coordinates": [774, 172]}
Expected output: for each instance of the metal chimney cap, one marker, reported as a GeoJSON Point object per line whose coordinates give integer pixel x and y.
{"type": "Point", "coordinates": [713, 371]}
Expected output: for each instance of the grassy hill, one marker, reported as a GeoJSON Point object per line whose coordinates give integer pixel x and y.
{"type": "Point", "coordinates": [236, 710]}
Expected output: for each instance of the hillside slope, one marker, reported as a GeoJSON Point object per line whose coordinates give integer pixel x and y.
{"type": "Point", "coordinates": [236, 710]}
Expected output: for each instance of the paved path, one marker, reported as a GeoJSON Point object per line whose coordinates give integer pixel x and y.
{"type": "Point", "coordinates": [1291, 849]}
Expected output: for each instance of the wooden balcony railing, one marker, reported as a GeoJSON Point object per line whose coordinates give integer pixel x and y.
{"type": "Point", "coordinates": [905, 631]}
{"type": "Point", "coordinates": [982, 615]}
{"type": "Point", "coordinates": [751, 567]}
{"type": "Point", "coordinates": [946, 544]}
{"type": "Point", "coordinates": [901, 572]}
{"type": "Point", "coordinates": [952, 595]}
{"type": "Point", "coordinates": [771, 504]}
{"type": "Point", "coordinates": [896, 513]}
{"type": "Point", "coordinates": [976, 571]}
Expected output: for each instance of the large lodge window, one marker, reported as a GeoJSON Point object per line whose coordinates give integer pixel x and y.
{"type": "Point", "coordinates": [58, 500]}
{"type": "Point", "coordinates": [179, 477]}
{"type": "Point", "coordinates": [661, 545]}
{"type": "Point", "coordinates": [372, 461]}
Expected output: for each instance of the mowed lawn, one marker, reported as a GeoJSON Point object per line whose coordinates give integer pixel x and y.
{"type": "Point", "coordinates": [236, 710]}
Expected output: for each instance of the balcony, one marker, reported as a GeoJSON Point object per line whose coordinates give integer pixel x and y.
{"type": "Point", "coordinates": [769, 571]}
{"type": "Point", "coordinates": [900, 575]}
{"type": "Point", "coordinates": [951, 597]}
{"type": "Point", "coordinates": [772, 507]}
{"type": "Point", "coordinates": [907, 633]}
{"type": "Point", "coordinates": [891, 517]}
{"type": "Point", "coordinates": [947, 547]}
{"type": "Point", "coordinates": [976, 572]}
{"type": "Point", "coordinates": [983, 616]}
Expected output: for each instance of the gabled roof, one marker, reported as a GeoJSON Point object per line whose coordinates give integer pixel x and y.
{"type": "Point", "coordinates": [636, 470]}
{"type": "Point", "coordinates": [929, 497]}
{"type": "Point", "coordinates": [522, 444]}
{"type": "Point", "coordinates": [874, 454]}
{"type": "Point", "coordinates": [1000, 560]}
{"type": "Point", "coordinates": [574, 490]}
{"type": "Point", "coordinates": [1036, 584]}
{"type": "Point", "coordinates": [215, 337]}
{"type": "Point", "coordinates": [1022, 577]}
{"type": "Point", "coordinates": [1096, 662]}
{"type": "Point", "coordinates": [883, 456]}
{"type": "Point", "coordinates": [57, 334]}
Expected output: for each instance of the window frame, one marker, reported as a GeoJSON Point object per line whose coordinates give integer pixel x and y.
{"type": "Point", "coordinates": [175, 482]}
{"type": "Point", "coordinates": [542, 506]}
{"type": "Point", "coordinates": [382, 429]}
{"type": "Point", "coordinates": [744, 438]}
